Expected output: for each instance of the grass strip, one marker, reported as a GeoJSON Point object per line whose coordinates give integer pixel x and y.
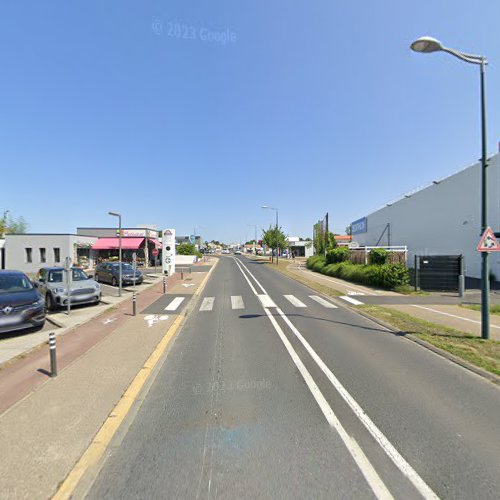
{"type": "Point", "coordinates": [495, 309]}
{"type": "Point", "coordinates": [482, 353]}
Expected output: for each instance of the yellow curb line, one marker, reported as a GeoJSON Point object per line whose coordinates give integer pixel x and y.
{"type": "Point", "coordinates": [102, 439]}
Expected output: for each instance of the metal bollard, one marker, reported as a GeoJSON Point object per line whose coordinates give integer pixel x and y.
{"type": "Point", "coordinates": [182, 274]}
{"type": "Point", "coordinates": [164, 284]}
{"type": "Point", "coordinates": [134, 300]}
{"type": "Point", "coordinates": [53, 358]}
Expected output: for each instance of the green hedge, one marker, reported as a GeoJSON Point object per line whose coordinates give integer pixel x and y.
{"type": "Point", "coordinates": [339, 254]}
{"type": "Point", "coordinates": [387, 276]}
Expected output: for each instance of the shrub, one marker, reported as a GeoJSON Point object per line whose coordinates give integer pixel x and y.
{"type": "Point", "coordinates": [316, 263]}
{"type": "Point", "coordinates": [378, 256]}
{"type": "Point", "coordinates": [339, 254]}
{"type": "Point", "coordinates": [186, 249]}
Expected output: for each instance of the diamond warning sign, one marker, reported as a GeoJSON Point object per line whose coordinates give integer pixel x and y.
{"type": "Point", "coordinates": [488, 242]}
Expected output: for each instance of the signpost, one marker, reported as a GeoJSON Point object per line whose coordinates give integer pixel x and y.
{"type": "Point", "coordinates": [155, 255]}
{"type": "Point", "coordinates": [134, 265]}
{"type": "Point", "coordinates": [67, 269]}
{"type": "Point", "coordinates": [487, 243]}
{"type": "Point", "coordinates": [168, 254]}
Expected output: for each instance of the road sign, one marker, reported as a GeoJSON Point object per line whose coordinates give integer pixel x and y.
{"type": "Point", "coordinates": [155, 252]}
{"type": "Point", "coordinates": [192, 239]}
{"type": "Point", "coordinates": [168, 251]}
{"type": "Point", "coordinates": [488, 242]}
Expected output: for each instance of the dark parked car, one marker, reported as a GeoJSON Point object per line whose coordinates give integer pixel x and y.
{"type": "Point", "coordinates": [51, 283]}
{"type": "Point", "coordinates": [21, 306]}
{"type": "Point", "coordinates": [109, 272]}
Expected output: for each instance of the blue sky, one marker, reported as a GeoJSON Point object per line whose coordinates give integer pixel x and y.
{"type": "Point", "coordinates": [310, 106]}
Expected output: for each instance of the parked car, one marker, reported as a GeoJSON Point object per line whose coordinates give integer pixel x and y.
{"type": "Point", "coordinates": [51, 283]}
{"type": "Point", "coordinates": [109, 272]}
{"type": "Point", "coordinates": [21, 306]}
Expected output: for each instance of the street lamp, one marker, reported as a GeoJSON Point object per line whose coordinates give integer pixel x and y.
{"type": "Point", "coordinates": [277, 245]}
{"type": "Point", "coordinates": [115, 214]}
{"type": "Point", "coordinates": [427, 44]}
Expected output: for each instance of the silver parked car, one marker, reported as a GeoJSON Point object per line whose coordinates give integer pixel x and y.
{"type": "Point", "coordinates": [51, 283]}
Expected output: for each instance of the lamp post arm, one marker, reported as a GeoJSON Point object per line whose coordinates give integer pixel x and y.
{"type": "Point", "coordinates": [470, 58]}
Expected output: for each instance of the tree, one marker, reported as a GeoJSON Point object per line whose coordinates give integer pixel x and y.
{"type": "Point", "coordinates": [348, 230]}
{"type": "Point", "coordinates": [269, 238]}
{"type": "Point", "coordinates": [331, 243]}
{"type": "Point", "coordinates": [186, 249]}
{"type": "Point", "coordinates": [10, 224]}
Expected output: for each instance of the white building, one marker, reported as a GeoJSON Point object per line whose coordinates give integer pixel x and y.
{"type": "Point", "coordinates": [299, 247]}
{"type": "Point", "coordinates": [443, 218]}
{"type": "Point", "coordinates": [30, 252]}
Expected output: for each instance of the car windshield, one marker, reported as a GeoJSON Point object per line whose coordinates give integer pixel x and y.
{"type": "Point", "coordinates": [11, 283]}
{"type": "Point", "coordinates": [59, 275]}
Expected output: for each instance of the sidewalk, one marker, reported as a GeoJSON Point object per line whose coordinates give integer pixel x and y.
{"type": "Point", "coordinates": [44, 434]}
{"type": "Point", "coordinates": [429, 307]}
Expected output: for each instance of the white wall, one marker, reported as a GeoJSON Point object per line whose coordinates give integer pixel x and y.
{"type": "Point", "coordinates": [15, 249]}
{"type": "Point", "coordinates": [443, 218]}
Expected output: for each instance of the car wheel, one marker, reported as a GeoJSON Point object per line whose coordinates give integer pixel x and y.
{"type": "Point", "coordinates": [96, 277]}
{"type": "Point", "coordinates": [49, 302]}
{"type": "Point", "coordinates": [114, 282]}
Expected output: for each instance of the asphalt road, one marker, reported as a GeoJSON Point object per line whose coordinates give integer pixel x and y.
{"type": "Point", "coordinates": [269, 393]}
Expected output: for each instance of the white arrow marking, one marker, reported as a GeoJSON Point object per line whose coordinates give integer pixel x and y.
{"type": "Point", "coordinates": [187, 284]}
{"type": "Point", "coordinates": [108, 321]}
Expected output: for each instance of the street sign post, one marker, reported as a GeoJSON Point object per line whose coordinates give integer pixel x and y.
{"type": "Point", "coordinates": [67, 269]}
{"type": "Point", "coordinates": [134, 265]}
{"type": "Point", "coordinates": [168, 252]}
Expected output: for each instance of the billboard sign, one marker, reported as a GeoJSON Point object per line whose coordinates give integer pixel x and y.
{"type": "Point", "coordinates": [359, 226]}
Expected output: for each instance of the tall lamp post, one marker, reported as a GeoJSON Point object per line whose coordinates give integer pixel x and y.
{"type": "Point", "coordinates": [255, 238]}
{"type": "Point", "coordinates": [115, 214]}
{"type": "Point", "coordinates": [427, 44]}
{"type": "Point", "coordinates": [277, 244]}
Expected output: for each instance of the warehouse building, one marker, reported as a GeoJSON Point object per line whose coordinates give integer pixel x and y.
{"type": "Point", "coordinates": [443, 218]}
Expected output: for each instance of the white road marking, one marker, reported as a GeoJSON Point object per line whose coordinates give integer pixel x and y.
{"type": "Point", "coordinates": [356, 293]}
{"type": "Point", "coordinates": [154, 318]}
{"type": "Point", "coordinates": [187, 285]}
{"type": "Point", "coordinates": [452, 315]}
{"type": "Point", "coordinates": [370, 474]}
{"type": "Point", "coordinates": [207, 304]}
{"type": "Point", "coordinates": [175, 304]}
{"type": "Point", "coordinates": [294, 301]}
{"type": "Point", "coordinates": [376, 433]}
{"type": "Point", "coordinates": [323, 302]}
{"type": "Point", "coordinates": [351, 300]}
{"type": "Point", "coordinates": [266, 301]}
{"type": "Point", "coordinates": [237, 302]}
{"type": "Point", "coordinates": [108, 321]}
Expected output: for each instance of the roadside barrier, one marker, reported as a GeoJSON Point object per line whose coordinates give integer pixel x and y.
{"type": "Point", "coordinates": [53, 357]}
{"type": "Point", "coordinates": [164, 284]}
{"type": "Point", "coordinates": [134, 300]}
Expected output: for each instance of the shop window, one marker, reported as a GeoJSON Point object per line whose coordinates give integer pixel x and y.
{"type": "Point", "coordinates": [43, 256]}
{"type": "Point", "coordinates": [29, 255]}
{"type": "Point", "coordinates": [57, 255]}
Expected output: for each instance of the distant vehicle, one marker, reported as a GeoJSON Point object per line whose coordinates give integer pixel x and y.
{"type": "Point", "coordinates": [237, 252]}
{"type": "Point", "coordinates": [109, 272]}
{"type": "Point", "coordinates": [21, 306]}
{"type": "Point", "coordinates": [225, 251]}
{"type": "Point", "coordinates": [51, 283]}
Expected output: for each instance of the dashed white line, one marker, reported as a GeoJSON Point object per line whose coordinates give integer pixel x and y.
{"type": "Point", "coordinates": [237, 302]}
{"type": "Point", "coordinates": [294, 301]}
{"type": "Point", "coordinates": [323, 302]}
{"type": "Point", "coordinates": [175, 304]}
{"type": "Point", "coordinates": [207, 304]}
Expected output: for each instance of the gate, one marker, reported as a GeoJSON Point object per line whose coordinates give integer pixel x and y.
{"type": "Point", "coordinates": [441, 273]}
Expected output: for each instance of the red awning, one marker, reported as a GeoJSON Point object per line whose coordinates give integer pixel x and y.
{"type": "Point", "coordinates": [113, 243]}
{"type": "Point", "coordinates": [155, 242]}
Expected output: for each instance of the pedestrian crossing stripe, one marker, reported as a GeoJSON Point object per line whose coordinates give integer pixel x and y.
{"type": "Point", "coordinates": [294, 301]}
{"type": "Point", "coordinates": [207, 304]}
{"type": "Point", "coordinates": [237, 302]}
{"type": "Point", "coordinates": [351, 300]}
{"type": "Point", "coordinates": [323, 302]}
{"type": "Point", "coordinates": [266, 301]}
{"type": "Point", "coordinates": [175, 304]}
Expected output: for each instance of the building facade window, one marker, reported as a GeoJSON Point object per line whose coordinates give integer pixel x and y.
{"type": "Point", "coordinates": [43, 256]}
{"type": "Point", "coordinates": [29, 255]}
{"type": "Point", "coordinates": [57, 255]}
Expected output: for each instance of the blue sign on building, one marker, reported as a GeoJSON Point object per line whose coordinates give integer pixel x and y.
{"type": "Point", "coordinates": [359, 226]}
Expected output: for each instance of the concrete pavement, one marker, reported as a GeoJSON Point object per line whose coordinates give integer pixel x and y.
{"type": "Point", "coordinates": [270, 392]}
